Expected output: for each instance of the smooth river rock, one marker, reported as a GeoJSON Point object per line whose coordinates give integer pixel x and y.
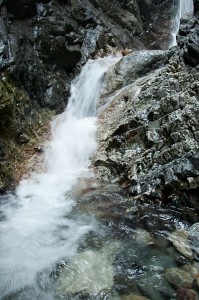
{"type": "Point", "coordinates": [179, 239]}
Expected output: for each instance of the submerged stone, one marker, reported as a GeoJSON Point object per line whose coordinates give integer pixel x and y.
{"type": "Point", "coordinates": [89, 271]}
{"type": "Point", "coordinates": [179, 278]}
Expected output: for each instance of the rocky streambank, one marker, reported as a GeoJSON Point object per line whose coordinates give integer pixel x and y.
{"type": "Point", "coordinates": [148, 144]}
{"type": "Point", "coordinates": [43, 45]}
{"type": "Point", "coordinates": [148, 131]}
{"type": "Point", "coordinates": [144, 244]}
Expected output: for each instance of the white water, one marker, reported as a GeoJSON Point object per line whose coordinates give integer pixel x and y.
{"type": "Point", "coordinates": [184, 10]}
{"type": "Point", "coordinates": [36, 232]}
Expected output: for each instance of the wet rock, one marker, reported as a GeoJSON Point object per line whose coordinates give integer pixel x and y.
{"type": "Point", "coordinates": [131, 67]}
{"type": "Point", "coordinates": [147, 140]}
{"type": "Point", "coordinates": [188, 294]}
{"type": "Point", "coordinates": [179, 239]}
{"type": "Point", "coordinates": [156, 219]}
{"type": "Point", "coordinates": [86, 268]}
{"type": "Point", "coordinates": [188, 39]}
{"type": "Point", "coordinates": [193, 234]}
{"type": "Point", "coordinates": [43, 43]}
{"type": "Point", "coordinates": [191, 53]}
{"type": "Point", "coordinates": [179, 278]}
{"type": "Point", "coordinates": [59, 34]}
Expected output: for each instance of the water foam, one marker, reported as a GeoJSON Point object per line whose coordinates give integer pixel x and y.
{"type": "Point", "coordinates": [35, 231]}
{"type": "Point", "coordinates": [184, 10]}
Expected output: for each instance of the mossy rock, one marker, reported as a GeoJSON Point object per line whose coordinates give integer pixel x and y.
{"type": "Point", "coordinates": [14, 107]}
{"type": "Point", "coordinates": [21, 124]}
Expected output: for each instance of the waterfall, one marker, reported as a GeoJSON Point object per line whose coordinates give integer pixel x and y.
{"type": "Point", "coordinates": [35, 231]}
{"type": "Point", "coordinates": [184, 10]}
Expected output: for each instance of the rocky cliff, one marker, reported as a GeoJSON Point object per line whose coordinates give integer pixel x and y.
{"type": "Point", "coordinates": [44, 43]}
{"type": "Point", "coordinates": [148, 134]}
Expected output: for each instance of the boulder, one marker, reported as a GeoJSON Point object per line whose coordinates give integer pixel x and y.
{"type": "Point", "coordinates": [133, 66]}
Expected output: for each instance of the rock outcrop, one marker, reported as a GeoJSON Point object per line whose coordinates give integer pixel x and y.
{"type": "Point", "coordinates": [43, 45]}
{"type": "Point", "coordinates": [148, 134]}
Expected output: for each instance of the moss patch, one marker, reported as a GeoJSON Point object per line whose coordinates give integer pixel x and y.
{"type": "Point", "coordinates": [22, 125]}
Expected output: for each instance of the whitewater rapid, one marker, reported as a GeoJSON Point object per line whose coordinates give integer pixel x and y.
{"type": "Point", "coordinates": [35, 231]}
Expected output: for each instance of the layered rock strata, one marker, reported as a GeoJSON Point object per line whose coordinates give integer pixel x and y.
{"type": "Point", "coordinates": [148, 133]}
{"type": "Point", "coordinates": [43, 45]}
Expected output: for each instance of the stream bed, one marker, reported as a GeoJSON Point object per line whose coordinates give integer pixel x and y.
{"type": "Point", "coordinates": [65, 236]}
{"type": "Point", "coordinates": [124, 253]}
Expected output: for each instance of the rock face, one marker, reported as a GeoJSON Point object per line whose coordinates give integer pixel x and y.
{"type": "Point", "coordinates": [157, 28]}
{"type": "Point", "coordinates": [188, 40]}
{"type": "Point", "coordinates": [148, 135]}
{"type": "Point", "coordinates": [44, 43]}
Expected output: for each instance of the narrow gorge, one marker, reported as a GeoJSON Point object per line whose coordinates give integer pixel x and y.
{"type": "Point", "coordinates": [103, 203]}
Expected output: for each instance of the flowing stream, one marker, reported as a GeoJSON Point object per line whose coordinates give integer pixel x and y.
{"type": "Point", "coordinates": [184, 9]}
{"type": "Point", "coordinates": [61, 241]}
{"type": "Point", "coordinates": [35, 231]}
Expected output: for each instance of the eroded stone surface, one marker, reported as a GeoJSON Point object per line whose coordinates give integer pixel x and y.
{"type": "Point", "coordinates": [179, 239]}
{"type": "Point", "coordinates": [43, 45]}
{"type": "Point", "coordinates": [148, 134]}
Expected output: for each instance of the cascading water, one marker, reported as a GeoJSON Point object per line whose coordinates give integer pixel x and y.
{"type": "Point", "coordinates": [34, 229]}
{"type": "Point", "coordinates": [184, 10]}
